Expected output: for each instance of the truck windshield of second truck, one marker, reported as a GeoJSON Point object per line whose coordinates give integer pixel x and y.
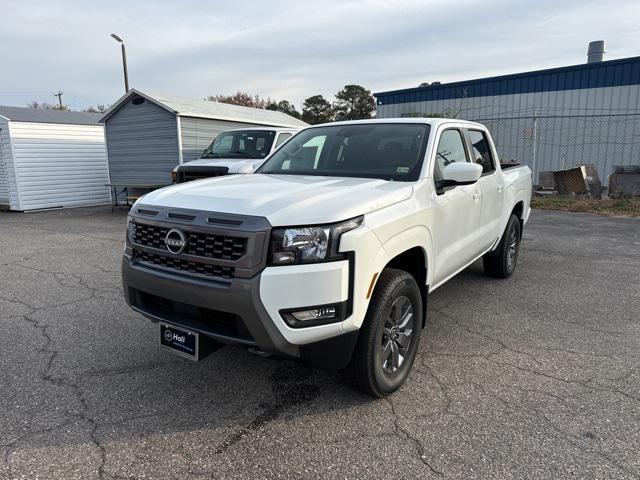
{"type": "Point", "coordinates": [389, 151]}
{"type": "Point", "coordinates": [241, 144]}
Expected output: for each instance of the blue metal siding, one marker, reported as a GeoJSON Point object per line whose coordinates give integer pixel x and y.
{"type": "Point", "coordinates": [612, 73]}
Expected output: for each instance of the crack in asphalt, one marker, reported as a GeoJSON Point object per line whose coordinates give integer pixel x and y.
{"type": "Point", "coordinates": [418, 445]}
{"type": "Point", "coordinates": [587, 384]}
{"type": "Point", "coordinates": [47, 374]}
{"type": "Point", "coordinates": [569, 437]}
{"type": "Point", "coordinates": [601, 376]}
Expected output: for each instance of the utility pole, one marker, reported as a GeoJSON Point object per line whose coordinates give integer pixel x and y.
{"type": "Point", "coordinates": [124, 61]}
{"type": "Point", "coordinates": [59, 95]}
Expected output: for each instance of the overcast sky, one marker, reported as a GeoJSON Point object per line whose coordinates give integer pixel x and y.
{"type": "Point", "coordinates": [291, 49]}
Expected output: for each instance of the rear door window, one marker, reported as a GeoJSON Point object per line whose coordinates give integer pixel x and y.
{"type": "Point", "coordinates": [480, 151]}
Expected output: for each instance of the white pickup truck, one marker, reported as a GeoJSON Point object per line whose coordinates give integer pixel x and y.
{"type": "Point", "coordinates": [328, 252]}
{"type": "Point", "coordinates": [233, 152]}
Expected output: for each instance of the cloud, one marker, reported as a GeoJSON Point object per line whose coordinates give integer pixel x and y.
{"type": "Point", "coordinates": [288, 49]}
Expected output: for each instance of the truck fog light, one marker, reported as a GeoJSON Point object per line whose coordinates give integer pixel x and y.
{"type": "Point", "coordinates": [320, 315]}
{"type": "Point", "coordinates": [315, 314]}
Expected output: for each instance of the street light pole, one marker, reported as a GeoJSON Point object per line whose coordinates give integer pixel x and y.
{"type": "Point", "coordinates": [124, 61]}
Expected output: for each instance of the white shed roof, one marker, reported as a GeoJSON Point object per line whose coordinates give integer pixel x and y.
{"type": "Point", "coordinates": [191, 107]}
{"type": "Point", "coordinates": [39, 115]}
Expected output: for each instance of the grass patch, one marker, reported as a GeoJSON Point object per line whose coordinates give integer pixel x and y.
{"type": "Point", "coordinates": [625, 206]}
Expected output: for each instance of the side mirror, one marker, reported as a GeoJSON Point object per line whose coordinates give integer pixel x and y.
{"type": "Point", "coordinates": [461, 173]}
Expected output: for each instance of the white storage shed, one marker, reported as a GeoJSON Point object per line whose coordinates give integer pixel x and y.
{"type": "Point", "coordinates": [52, 159]}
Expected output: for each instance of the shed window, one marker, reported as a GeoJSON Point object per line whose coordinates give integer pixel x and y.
{"type": "Point", "coordinates": [138, 101]}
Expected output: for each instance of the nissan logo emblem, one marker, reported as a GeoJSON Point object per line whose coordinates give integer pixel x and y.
{"type": "Point", "coordinates": [175, 241]}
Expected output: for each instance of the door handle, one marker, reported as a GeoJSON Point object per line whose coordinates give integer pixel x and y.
{"type": "Point", "coordinates": [477, 195]}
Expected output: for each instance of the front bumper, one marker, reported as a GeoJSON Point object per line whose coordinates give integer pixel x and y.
{"type": "Point", "coordinates": [247, 310]}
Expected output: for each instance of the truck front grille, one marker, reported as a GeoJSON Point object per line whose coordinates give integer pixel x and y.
{"type": "Point", "coordinates": [219, 247]}
{"type": "Point", "coordinates": [214, 245]}
{"type": "Point", "coordinates": [183, 266]}
{"type": "Point", "coordinates": [185, 175]}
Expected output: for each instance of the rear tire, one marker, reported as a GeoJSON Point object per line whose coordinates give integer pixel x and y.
{"type": "Point", "coordinates": [501, 263]}
{"type": "Point", "coordinates": [389, 337]}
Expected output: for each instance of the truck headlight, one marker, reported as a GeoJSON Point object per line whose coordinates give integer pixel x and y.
{"type": "Point", "coordinates": [294, 245]}
{"type": "Point", "coordinates": [131, 229]}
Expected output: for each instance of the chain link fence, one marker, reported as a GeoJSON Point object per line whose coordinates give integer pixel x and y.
{"type": "Point", "coordinates": [548, 142]}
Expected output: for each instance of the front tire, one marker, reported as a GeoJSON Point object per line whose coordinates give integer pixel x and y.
{"type": "Point", "coordinates": [389, 337]}
{"type": "Point", "coordinates": [501, 263]}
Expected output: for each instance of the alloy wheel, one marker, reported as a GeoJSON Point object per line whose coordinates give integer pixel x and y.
{"type": "Point", "coordinates": [396, 335]}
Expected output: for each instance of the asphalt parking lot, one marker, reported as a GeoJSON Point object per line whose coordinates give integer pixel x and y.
{"type": "Point", "coordinates": [537, 376]}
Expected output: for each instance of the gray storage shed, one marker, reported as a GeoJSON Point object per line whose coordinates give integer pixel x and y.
{"type": "Point", "coordinates": [147, 135]}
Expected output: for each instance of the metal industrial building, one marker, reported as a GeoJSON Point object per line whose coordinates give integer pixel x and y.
{"type": "Point", "coordinates": [147, 135]}
{"type": "Point", "coordinates": [51, 159]}
{"type": "Point", "coordinates": [548, 119]}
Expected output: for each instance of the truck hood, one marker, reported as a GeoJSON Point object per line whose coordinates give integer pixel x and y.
{"type": "Point", "coordinates": [236, 165]}
{"type": "Point", "coordinates": [283, 199]}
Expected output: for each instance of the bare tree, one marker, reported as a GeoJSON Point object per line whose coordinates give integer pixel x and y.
{"type": "Point", "coordinates": [458, 109]}
{"type": "Point", "coordinates": [97, 109]}
{"type": "Point", "coordinates": [243, 99]}
{"type": "Point", "coordinates": [47, 106]}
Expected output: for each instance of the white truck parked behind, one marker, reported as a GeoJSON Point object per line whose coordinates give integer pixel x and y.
{"type": "Point", "coordinates": [328, 252]}
{"type": "Point", "coordinates": [232, 152]}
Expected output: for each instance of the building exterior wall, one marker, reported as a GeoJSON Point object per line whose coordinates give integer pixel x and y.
{"type": "Point", "coordinates": [58, 165]}
{"type": "Point", "coordinates": [198, 133]}
{"type": "Point", "coordinates": [9, 166]}
{"type": "Point", "coordinates": [4, 145]}
{"type": "Point", "coordinates": [547, 130]}
{"type": "Point", "coordinates": [142, 141]}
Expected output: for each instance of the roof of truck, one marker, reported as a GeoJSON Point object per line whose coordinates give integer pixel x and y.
{"type": "Point", "coordinates": [419, 120]}
{"type": "Point", "coordinates": [266, 127]}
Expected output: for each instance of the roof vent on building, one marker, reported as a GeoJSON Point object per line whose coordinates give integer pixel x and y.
{"type": "Point", "coordinates": [596, 51]}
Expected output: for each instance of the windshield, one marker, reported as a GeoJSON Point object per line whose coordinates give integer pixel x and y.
{"type": "Point", "coordinates": [241, 144]}
{"type": "Point", "coordinates": [389, 151]}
